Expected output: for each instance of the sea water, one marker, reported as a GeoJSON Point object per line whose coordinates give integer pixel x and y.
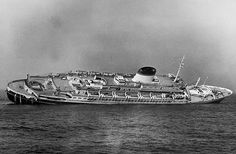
{"type": "Point", "coordinates": [209, 128]}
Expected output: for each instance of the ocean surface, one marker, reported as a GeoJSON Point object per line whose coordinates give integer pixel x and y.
{"type": "Point", "coordinates": [209, 128]}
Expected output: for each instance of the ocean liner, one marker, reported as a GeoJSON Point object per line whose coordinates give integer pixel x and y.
{"type": "Point", "coordinates": [90, 87]}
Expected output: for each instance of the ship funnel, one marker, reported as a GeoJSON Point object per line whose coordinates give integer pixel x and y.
{"type": "Point", "coordinates": [145, 75]}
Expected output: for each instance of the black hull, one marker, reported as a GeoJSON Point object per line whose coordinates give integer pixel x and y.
{"type": "Point", "coordinates": [20, 99]}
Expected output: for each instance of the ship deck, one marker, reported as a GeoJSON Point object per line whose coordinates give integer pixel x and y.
{"type": "Point", "coordinates": [165, 84]}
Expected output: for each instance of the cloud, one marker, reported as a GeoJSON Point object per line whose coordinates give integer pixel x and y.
{"type": "Point", "coordinates": [121, 36]}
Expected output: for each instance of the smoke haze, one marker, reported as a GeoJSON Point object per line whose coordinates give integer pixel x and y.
{"type": "Point", "coordinates": [119, 36]}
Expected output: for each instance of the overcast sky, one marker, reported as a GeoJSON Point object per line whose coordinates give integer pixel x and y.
{"type": "Point", "coordinates": [39, 37]}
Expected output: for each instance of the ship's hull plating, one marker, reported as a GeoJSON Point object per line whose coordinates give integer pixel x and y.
{"type": "Point", "coordinates": [18, 98]}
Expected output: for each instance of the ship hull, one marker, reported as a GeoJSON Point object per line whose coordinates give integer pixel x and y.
{"type": "Point", "coordinates": [18, 98]}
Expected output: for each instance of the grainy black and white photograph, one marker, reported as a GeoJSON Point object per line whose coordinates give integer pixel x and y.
{"type": "Point", "coordinates": [117, 76]}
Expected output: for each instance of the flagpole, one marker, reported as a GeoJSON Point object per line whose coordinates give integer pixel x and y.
{"type": "Point", "coordinates": [180, 66]}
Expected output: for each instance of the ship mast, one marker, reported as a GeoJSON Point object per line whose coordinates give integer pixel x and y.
{"type": "Point", "coordinates": [180, 66]}
{"type": "Point", "coordinates": [198, 80]}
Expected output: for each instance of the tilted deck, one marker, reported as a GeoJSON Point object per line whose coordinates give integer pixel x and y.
{"type": "Point", "coordinates": [64, 88]}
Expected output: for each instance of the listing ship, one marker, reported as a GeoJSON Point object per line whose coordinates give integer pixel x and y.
{"type": "Point", "coordinates": [90, 87]}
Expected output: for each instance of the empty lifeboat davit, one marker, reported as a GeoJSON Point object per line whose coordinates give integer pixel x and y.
{"type": "Point", "coordinates": [145, 75]}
